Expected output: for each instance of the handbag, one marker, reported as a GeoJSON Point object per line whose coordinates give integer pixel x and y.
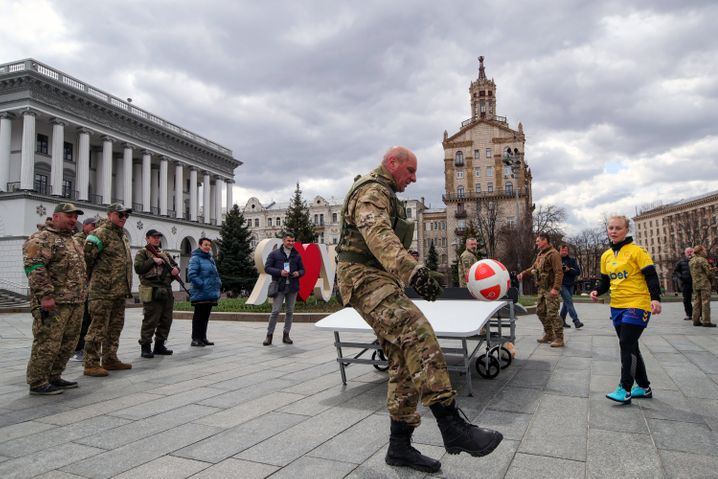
{"type": "Point", "coordinates": [273, 289]}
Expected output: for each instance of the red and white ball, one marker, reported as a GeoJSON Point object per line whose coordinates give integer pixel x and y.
{"type": "Point", "coordinates": [488, 280]}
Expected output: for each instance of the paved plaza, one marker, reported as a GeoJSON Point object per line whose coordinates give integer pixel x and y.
{"type": "Point", "coordinates": [241, 410]}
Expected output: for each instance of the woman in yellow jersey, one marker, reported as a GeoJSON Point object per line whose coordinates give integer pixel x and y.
{"type": "Point", "coordinates": [628, 271]}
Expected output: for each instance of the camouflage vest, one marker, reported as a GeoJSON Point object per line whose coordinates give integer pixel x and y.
{"type": "Point", "coordinates": [352, 248]}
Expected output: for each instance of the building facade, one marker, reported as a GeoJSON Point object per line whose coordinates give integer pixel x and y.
{"type": "Point", "coordinates": [64, 140]}
{"type": "Point", "coordinates": [666, 231]}
{"type": "Point", "coordinates": [487, 180]}
{"type": "Point", "coordinates": [434, 229]}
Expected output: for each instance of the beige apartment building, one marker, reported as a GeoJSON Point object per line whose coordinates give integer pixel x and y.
{"type": "Point", "coordinates": [486, 177]}
{"type": "Point", "coordinates": [434, 229]}
{"type": "Point", "coordinates": [665, 231]}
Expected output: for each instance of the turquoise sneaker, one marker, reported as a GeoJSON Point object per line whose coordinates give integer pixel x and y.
{"type": "Point", "coordinates": [620, 395]}
{"type": "Point", "coordinates": [639, 392]}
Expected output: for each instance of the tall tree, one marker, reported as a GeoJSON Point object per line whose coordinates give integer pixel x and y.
{"type": "Point", "coordinates": [432, 259]}
{"type": "Point", "coordinates": [549, 219]}
{"type": "Point", "coordinates": [487, 221]}
{"type": "Point", "coordinates": [297, 220]}
{"type": "Point", "coordinates": [234, 261]}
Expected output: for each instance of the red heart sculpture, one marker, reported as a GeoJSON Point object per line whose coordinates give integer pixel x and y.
{"type": "Point", "coordinates": [312, 261]}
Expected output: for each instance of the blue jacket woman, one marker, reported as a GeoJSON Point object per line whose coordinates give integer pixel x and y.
{"type": "Point", "coordinates": [203, 275]}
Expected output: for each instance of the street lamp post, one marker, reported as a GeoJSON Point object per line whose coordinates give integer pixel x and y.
{"type": "Point", "coordinates": [515, 163]}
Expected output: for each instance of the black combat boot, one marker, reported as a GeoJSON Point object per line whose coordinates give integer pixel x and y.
{"type": "Point", "coordinates": [160, 348]}
{"type": "Point", "coordinates": [460, 435]}
{"type": "Point", "coordinates": [286, 339]}
{"type": "Point", "coordinates": [400, 452]}
{"type": "Point", "coordinates": [147, 351]}
{"type": "Point", "coordinates": [267, 340]}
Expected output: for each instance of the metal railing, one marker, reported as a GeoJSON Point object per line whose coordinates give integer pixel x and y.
{"type": "Point", "coordinates": [94, 199]}
{"type": "Point", "coordinates": [473, 195]}
{"type": "Point", "coordinates": [483, 116]}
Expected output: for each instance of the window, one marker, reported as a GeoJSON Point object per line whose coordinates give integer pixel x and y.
{"type": "Point", "coordinates": [459, 174]}
{"type": "Point", "coordinates": [490, 171]}
{"type": "Point", "coordinates": [408, 212]}
{"type": "Point", "coordinates": [509, 187]}
{"type": "Point", "coordinates": [477, 154]}
{"type": "Point", "coordinates": [334, 217]}
{"type": "Point", "coordinates": [490, 187]}
{"type": "Point", "coordinates": [477, 172]}
{"type": "Point", "coordinates": [41, 146]}
{"type": "Point", "coordinates": [459, 158]}
{"type": "Point", "coordinates": [507, 171]}
{"type": "Point", "coordinates": [67, 151]}
{"type": "Point", "coordinates": [334, 240]}
{"type": "Point", "coordinates": [460, 191]}
{"type": "Point", "coordinates": [321, 219]}
{"type": "Point", "coordinates": [488, 153]}
{"type": "Point", "coordinates": [256, 222]}
{"type": "Point", "coordinates": [461, 223]}
{"type": "Point", "coordinates": [478, 187]}
{"type": "Point", "coordinates": [510, 221]}
{"type": "Point", "coordinates": [427, 226]}
{"type": "Point", "coordinates": [67, 188]}
{"type": "Point", "coordinates": [482, 107]}
{"type": "Point", "coordinates": [269, 221]}
{"type": "Point", "coordinates": [316, 219]}
{"type": "Point", "coordinates": [40, 183]}
{"type": "Point", "coordinates": [278, 222]}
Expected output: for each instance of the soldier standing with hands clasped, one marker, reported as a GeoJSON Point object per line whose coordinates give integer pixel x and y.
{"type": "Point", "coordinates": [467, 260]}
{"type": "Point", "coordinates": [372, 270]}
{"type": "Point", "coordinates": [55, 269]}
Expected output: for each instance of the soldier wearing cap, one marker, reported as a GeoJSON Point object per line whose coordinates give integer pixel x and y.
{"type": "Point", "coordinates": [156, 270]}
{"type": "Point", "coordinates": [88, 225]}
{"type": "Point", "coordinates": [55, 268]}
{"type": "Point", "coordinates": [109, 264]}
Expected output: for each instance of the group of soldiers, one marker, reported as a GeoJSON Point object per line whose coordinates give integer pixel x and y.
{"type": "Point", "coordinates": [90, 272]}
{"type": "Point", "coordinates": [696, 274]}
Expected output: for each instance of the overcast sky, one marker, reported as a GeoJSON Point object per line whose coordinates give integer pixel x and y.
{"type": "Point", "coordinates": [618, 99]}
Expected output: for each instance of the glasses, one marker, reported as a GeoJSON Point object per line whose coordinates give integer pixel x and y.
{"type": "Point", "coordinates": [123, 215]}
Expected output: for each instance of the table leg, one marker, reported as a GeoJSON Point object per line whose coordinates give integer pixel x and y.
{"type": "Point", "coordinates": [340, 357]}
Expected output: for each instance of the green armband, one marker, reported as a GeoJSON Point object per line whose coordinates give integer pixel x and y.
{"type": "Point", "coordinates": [32, 268]}
{"type": "Point", "coordinates": [96, 241]}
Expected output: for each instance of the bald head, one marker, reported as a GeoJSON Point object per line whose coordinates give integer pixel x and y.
{"type": "Point", "coordinates": [401, 163]}
{"type": "Point", "coordinates": [688, 252]}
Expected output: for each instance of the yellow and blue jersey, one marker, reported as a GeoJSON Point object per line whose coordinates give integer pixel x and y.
{"type": "Point", "coordinates": [628, 285]}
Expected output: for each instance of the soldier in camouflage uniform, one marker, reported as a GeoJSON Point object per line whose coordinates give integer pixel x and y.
{"type": "Point", "coordinates": [547, 271]}
{"type": "Point", "coordinates": [55, 269]}
{"type": "Point", "coordinates": [373, 268]}
{"type": "Point", "coordinates": [109, 261]}
{"type": "Point", "coordinates": [467, 260]}
{"type": "Point", "coordinates": [88, 225]}
{"type": "Point", "coordinates": [156, 276]}
{"type": "Point", "coordinates": [702, 275]}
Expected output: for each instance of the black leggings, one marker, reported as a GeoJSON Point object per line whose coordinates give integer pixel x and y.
{"type": "Point", "coordinates": [632, 366]}
{"type": "Point", "coordinates": [200, 320]}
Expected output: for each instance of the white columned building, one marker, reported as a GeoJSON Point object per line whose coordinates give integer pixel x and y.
{"type": "Point", "coordinates": [64, 140]}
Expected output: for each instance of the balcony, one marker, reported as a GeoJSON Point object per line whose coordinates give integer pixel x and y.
{"type": "Point", "coordinates": [460, 214]}
{"type": "Point", "coordinates": [484, 116]}
{"type": "Point", "coordinates": [483, 195]}
{"type": "Point", "coordinates": [461, 230]}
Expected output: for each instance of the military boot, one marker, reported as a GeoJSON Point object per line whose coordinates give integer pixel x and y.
{"type": "Point", "coordinates": [114, 364]}
{"type": "Point", "coordinates": [557, 337]}
{"type": "Point", "coordinates": [146, 351]}
{"type": "Point", "coordinates": [401, 454]}
{"type": "Point", "coordinates": [161, 349]}
{"type": "Point", "coordinates": [460, 435]}
{"type": "Point", "coordinates": [546, 338]}
{"type": "Point", "coordinates": [267, 340]}
{"type": "Point", "coordinates": [286, 339]}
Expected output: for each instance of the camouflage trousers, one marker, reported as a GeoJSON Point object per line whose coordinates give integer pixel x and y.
{"type": "Point", "coordinates": [701, 306]}
{"type": "Point", "coordinates": [547, 309]}
{"type": "Point", "coordinates": [54, 340]}
{"type": "Point", "coordinates": [157, 318]}
{"type": "Point", "coordinates": [417, 367]}
{"type": "Point", "coordinates": [103, 335]}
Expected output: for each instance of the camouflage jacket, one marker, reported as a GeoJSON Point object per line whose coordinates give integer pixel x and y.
{"type": "Point", "coordinates": [547, 269]}
{"type": "Point", "coordinates": [55, 266]}
{"type": "Point", "coordinates": [109, 262]}
{"type": "Point", "coordinates": [700, 272]}
{"type": "Point", "coordinates": [466, 261]}
{"type": "Point", "coordinates": [369, 209]}
{"type": "Point", "coordinates": [150, 273]}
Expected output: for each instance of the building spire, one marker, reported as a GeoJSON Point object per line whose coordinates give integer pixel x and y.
{"type": "Point", "coordinates": [482, 73]}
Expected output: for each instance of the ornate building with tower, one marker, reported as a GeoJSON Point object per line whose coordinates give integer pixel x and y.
{"type": "Point", "coordinates": [487, 180]}
{"type": "Point", "coordinates": [64, 140]}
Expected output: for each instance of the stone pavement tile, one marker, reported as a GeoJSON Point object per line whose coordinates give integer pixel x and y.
{"type": "Point", "coordinates": [516, 399]}
{"type": "Point", "coordinates": [606, 368]}
{"type": "Point", "coordinates": [610, 416]}
{"type": "Point", "coordinates": [569, 382]}
{"type": "Point", "coordinates": [682, 465]}
{"type": "Point", "coordinates": [541, 362]}
{"type": "Point", "coordinates": [98, 409]}
{"type": "Point", "coordinates": [166, 403]}
{"type": "Point", "coordinates": [59, 435]}
{"type": "Point", "coordinates": [180, 387]}
{"type": "Point", "coordinates": [693, 383]}
{"type": "Point", "coordinates": [248, 380]}
{"type": "Point", "coordinates": [683, 436]}
{"type": "Point", "coordinates": [313, 467]}
{"type": "Point", "coordinates": [248, 410]}
{"type": "Point", "coordinates": [603, 383]}
{"type": "Point", "coordinates": [574, 362]}
{"type": "Point", "coordinates": [677, 359]}
{"type": "Point", "coordinates": [239, 396]}
{"type": "Point", "coordinates": [165, 467]}
{"type": "Point", "coordinates": [296, 441]}
{"type": "Point", "coordinates": [231, 441]}
{"type": "Point", "coordinates": [234, 468]}
{"type": "Point", "coordinates": [317, 403]}
{"type": "Point", "coordinates": [657, 344]}
{"type": "Point", "coordinates": [44, 461]}
{"type": "Point", "coordinates": [323, 382]}
{"type": "Point", "coordinates": [542, 467]}
{"type": "Point", "coordinates": [705, 361]}
{"type": "Point", "coordinates": [15, 431]}
{"type": "Point", "coordinates": [463, 465]}
{"type": "Point", "coordinates": [530, 378]}
{"type": "Point", "coordinates": [376, 468]}
{"type": "Point", "coordinates": [142, 428]}
{"type": "Point", "coordinates": [670, 405]}
{"type": "Point", "coordinates": [358, 443]}
{"type": "Point", "coordinates": [616, 454]}
{"type": "Point", "coordinates": [576, 348]}
{"type": "Point", "coordinates": [57, 475]}
{"type": "Point", "coordinates": [511, 424]}
{"type": "Point", "coordinates": [558, 428]}
{"type": "Point", "coordinates": [706, 342]}
{"type": "Point", "coordinates": [682, 343]}
{"type": "Point", "coordinates": [707, 409]}
{"type": "Point", "coordinates": [116, 461]}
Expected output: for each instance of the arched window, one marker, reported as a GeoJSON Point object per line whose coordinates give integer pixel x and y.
{"type": "Point", "coordinates": [509, 187]}
{"type": "Point", "coordinates": [459, 158]}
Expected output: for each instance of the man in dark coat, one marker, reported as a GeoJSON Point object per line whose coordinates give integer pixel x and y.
{"type": "Point", "coordinates": [571, 271]}
{"type": "Point", "coordinates": [683, 273]}
{"type": "Point", "coordinates": [285, 266]}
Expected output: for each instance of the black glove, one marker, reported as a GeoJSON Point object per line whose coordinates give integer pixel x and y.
{"type": "Point", "coordinates": [426, 283]}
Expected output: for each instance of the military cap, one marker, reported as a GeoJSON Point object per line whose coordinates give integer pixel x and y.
{"type": "Point", "coordinates": [68, 208]}
{"type": "Point", "coordinates": [152, 233]}
{"type": "Point", "coordinates": [90, 221]}
{"type": "Point", "coordinates": [118, 208]}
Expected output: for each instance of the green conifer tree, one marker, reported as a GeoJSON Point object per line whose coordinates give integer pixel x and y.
{"type": "Point", "coordinates": [297, 220]}
{"type": "Point", "coordinates": [432, 258]}
{"type": "Point", "coordinates": [234, 261]}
